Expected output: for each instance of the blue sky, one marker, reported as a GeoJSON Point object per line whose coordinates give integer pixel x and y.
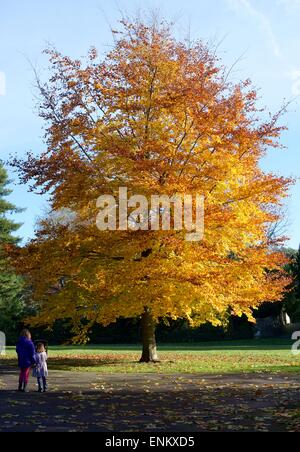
{"type": "Point", "coordinates": [264, 33]}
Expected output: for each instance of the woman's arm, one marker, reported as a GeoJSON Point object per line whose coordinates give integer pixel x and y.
{"type": "Point", "coordinates": [32, 353]}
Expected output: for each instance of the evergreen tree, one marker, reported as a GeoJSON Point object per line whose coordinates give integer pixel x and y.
{"type": "Point", "coordinates": [11, 285]}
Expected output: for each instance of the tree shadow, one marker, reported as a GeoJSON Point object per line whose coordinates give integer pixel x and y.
{"type": "Point", "coordinates": [169, 409]}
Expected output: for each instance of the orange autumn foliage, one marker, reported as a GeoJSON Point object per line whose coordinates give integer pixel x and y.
{"type": "Point", "coordinates": [157, 116]}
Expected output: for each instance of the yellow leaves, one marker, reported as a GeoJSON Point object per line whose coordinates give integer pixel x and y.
{"type": "Point", "coordinates": [217, 140]}
{"type": "Point", "coordinates": [158, 118]}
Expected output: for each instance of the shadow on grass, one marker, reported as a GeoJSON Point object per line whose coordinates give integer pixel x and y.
{"type": "Point", "coordinates": [224, 345]}
{"type": "Point", "coordinates": [112, 364]}
{"type": "Point", "coordinates": [67, 363]}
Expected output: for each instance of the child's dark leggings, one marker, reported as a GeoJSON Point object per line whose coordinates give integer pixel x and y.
{"type": "Point", "coordinates": [24, 376]}
{"type": "Point", "coordinates": [40, 381]}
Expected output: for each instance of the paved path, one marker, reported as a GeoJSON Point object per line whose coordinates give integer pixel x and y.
{"type": "Point", "coordinates": [87, 401]}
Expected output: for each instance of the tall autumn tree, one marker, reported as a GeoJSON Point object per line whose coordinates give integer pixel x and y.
{"type": "Point", "coordinates": [11, 303]}
{"type": "Point", "coordinates": [157, 116]}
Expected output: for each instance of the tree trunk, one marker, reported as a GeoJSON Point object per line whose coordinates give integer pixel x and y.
{"type": "Point", "coordinates": [148, 337]}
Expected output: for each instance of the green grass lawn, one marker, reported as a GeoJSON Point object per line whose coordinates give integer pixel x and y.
{"type": "Point", "coordinates": [210, 357]}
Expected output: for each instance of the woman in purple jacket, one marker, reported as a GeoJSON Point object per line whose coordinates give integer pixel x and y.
{"type": "Point", "coordinates": [26, 358]}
